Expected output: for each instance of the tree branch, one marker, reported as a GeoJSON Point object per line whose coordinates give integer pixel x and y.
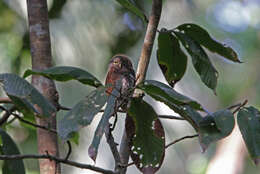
{"type": "Point", "coordinates": [40, 47]}
{"type": "Point", "coordinates": [180, 139]}
{"type": "Point", "coordinates": [58, 160]}
{"type": "Point", "coordinates": [149, 40]}
{"type": "Point", "coordinates": [142, 67]}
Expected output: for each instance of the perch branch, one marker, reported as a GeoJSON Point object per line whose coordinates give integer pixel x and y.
{"type": "Point", "coordinates": [142, 66]}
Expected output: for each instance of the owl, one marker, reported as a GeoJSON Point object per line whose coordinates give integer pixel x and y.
{"type": "Point", "coordinates": [120, 70]}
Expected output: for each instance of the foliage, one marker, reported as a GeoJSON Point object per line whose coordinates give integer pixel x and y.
{"type": "Point", "coordinates": [143, 125]}
{"type": "Point", "coordinates": [8, 147]}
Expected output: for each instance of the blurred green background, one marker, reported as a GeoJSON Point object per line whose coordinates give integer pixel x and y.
{"type": "Point", "coordinates": [87, 33]}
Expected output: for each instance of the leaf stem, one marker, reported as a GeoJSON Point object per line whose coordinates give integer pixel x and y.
{"type": "Point", "coordinates": [180, 139]}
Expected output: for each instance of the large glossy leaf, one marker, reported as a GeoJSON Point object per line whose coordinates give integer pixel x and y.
{"type": "Point", "coordinates": [215, 127]}
{"type": "Point", "coordinates": [248, 120]}
{"type": "Point", "coordinates": [25, 96]}
{"type": "Point", "coordinates": [8, 147]}
{"type": "Point", "coordinates": [131, 7]}
{"type": "Point", "coordinates": [200, 60]}
{"type": "Point", "coordinates": [171, 59]}
{"type": "Point", "coordinates": [104, 122]}
{"type": "Point", "coordinates": [82, 113]}
{"type": "Point", "coordinates": [65, 73]}
{"type": "Point", "coordinates": [176, 101]}
{"type": "Point", "coordinates": [201, 36]}
{"type": "Point", "coordinates": [160, 90]}
{"type": "Point", "coordinates": [147, 136]}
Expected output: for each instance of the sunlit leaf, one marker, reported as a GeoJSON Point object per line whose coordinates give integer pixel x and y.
{"type": "Point", "coordinates": [215, 127]}
{"type": "Point", "coordinates": [200, 60]}
{"type": "Point", "coordinates": [9, 147]}
{"type": "Point", "coordinates": [147, 135]}
{"type": "Point", "coordinates": [131, 7]}
{"type": "Point", "coordinates": [25, 96]}
{"type": "Point", "coordinates": [82, 113]}
{"type": "Point", "coordinates": [248, 120]}
{"type": "Point", "coordinates": [201, 36]}
{"type": "Point", "coordinates": [66, 73]}
{"type": "Point", "coordinates": [171, 59]}
{"type": "Point", "coordinates": [104, 122]}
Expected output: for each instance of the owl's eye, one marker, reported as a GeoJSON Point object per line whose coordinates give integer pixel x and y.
{"type": "Point", "coordinates": [116, 62]}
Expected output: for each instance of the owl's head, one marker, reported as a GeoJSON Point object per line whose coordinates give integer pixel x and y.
{"type": "Point", "coordinates": [120, 63]}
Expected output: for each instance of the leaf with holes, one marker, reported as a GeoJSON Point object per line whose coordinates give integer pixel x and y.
{"type": "Point", "coordinates": [200, 60]}
{"type": "Point", "coordinates": [66, 73]}
{"type": "Point", "coordinates": [104, 122]}
{"type": "Point", "coordinates": [171, 59]}
{"type": "Point", "coordinates": [8, 147]}
{"type": "Point", "coordinates": [201, 36]}
{"type": "Point", "coordinates": [215, 127]}
{"type": "Point", "coordinates": [248, 120]}
{"type": "Point", "coordinates": [147, 136]}
{"type": "Point", "coordinates": [82, 113]}
{"type": "Point", "coordinates": [25, 96]}
{"type": "Point", "coordinates": [131, 7]}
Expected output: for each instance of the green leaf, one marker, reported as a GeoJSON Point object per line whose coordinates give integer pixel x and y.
{"type": "Point", "coordinates": [159, 90]}
{"type": "Point", "coordinates": [176, 101]}
{"type": "Point", "coordinates": [66, 73]}
{"type": "Point", "coordinates": [147, 135]}
{"type": "Point", "coordinates": [104, 122]}
{"type": "Point", "coordinates": [201, 36]}
{"type": "Point", "coordinates": [248, 120]}
{"type": "Point", "coordinates": [132, 8]}
{"type": "Point", "coordinates": [25, 96]}
{"type": "Point", "coordinates": [200, 60]}
{"type": "Point", "coordinates": [215, 127]}
{"type": "Point", "coordinates": [171, 59]}
{"type": "Point", "coordinates": [82, 113]}
{"type": "Point", "coordinates": [9, 148]}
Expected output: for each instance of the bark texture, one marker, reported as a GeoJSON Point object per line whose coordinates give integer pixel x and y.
{"type": "Point", "coordinates": [40, 46]}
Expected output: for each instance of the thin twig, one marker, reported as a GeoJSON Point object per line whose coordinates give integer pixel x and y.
{"type": "Point", "coordinates": [56, 159]}
{"type": "Point", "coordinates": [239, 107]}
{"type": "Point", "coordinates": [234, 106]}
{"type": "Point", "coordinates": [27, 122]}
{"type": "Point", "coordinates": [7, 114]}
{"type": "Point", "coordinates": [64, 108]}
{"type": "Point", "coordinates": [118, 110]}
{"type": "Point", "coordinates": [69, 151]}
{"type": "Point", "coordinates": [171, 117]}
{"type": "Point", "coordinates": [180, 139]}
{"type": "Point", "coordinates": [5, 100]}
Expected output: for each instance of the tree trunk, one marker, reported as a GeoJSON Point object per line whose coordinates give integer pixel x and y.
{"type": "Point", "coordinates": [41, 59]}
